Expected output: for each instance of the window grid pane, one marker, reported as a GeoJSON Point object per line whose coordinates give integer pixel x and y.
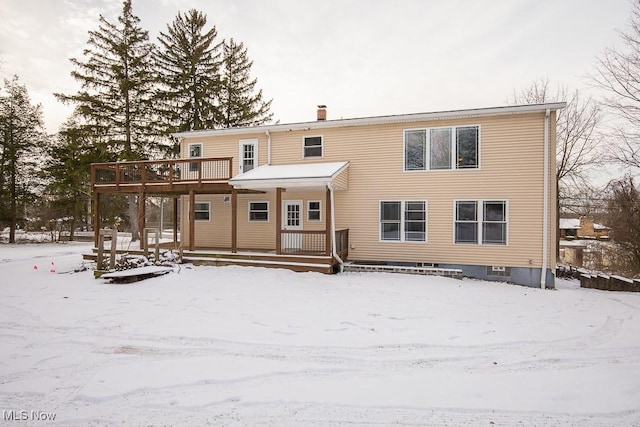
{"type": "Point", "coordinates": [440, 149]}
{"type": "Point", "coordinates": [467, 147]}
{"type": "Point", "coordinates": [258, 211]}
{"type": "Point", "coordinates": [466, 226]}
{"type": "Point", "coordinates": [390, 220]}
{"type": "Point", "coordinates": [415, 221]}
{"type": "Point", "coordinates": [415, 149]}
{"type": "Point", "coordinates": [313, 146]}
{"type": "Point", "coordinates": [494, 223]}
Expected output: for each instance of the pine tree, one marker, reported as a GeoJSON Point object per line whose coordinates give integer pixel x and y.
{"type": "Point", "coordinates": [117, 83]}
{"type": "Point", "coordinates": [68, 169]}
{"type": "Point", "coordinates": [239, 104]}
{"type": "Point", "coordinates": [21, 133]}
{"type": "Point", "coordinates": [187, 65]}
{"type": "Point", "coordinates": [116, 97]}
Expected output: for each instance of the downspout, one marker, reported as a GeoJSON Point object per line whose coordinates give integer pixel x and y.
{"type": "Point", "coordinates": [268, 146]}
{"type": "Point", "coordinates": [334, 247]}
{"type": "Point", "coordinates": [545, 215]}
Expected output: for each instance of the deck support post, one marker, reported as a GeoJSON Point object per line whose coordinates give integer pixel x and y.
{"type": "Point", "coordinates": [142, 215]}
{"type": "Point", "coordinates": [175, 221]}
{"type": "Point", "coordinates": [278, 221]}
{"type": "Point", "coordinates": [327, 223]}
{"type": "Point", "coordinates": [234, 221]}
{"type": "Point", "coordinates": [96, 218]}
{"type": "Point", "coordinates": [192, 219]}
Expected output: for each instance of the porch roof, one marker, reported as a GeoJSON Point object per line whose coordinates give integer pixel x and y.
{"type": "Point", "coordinates": [286, 176]}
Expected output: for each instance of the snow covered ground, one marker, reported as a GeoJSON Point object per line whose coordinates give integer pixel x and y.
{"type": "Point", "coordinates": [252, 346]}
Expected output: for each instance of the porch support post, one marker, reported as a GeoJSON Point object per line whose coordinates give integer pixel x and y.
{"type": "Point", "coordinates": [327, 223]}
{"type": "Point", "coordinates": [175, 221]}
{"type": "Point", "coordinates": [278, 221]}
{"type": "Point", "coordinates": [234, 220]}
{"type": "Point", "coordinates": [192, 219]}
{"type": "Point", "coordinates": [142, 218]}
{"type": "Point", "coordinates": [96, 218]}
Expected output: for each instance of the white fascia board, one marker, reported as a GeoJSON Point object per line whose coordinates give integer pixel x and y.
{"type": "Point", "coordinates": [282, 182]}
{"type": "Point", "coordinates": [403, 118]}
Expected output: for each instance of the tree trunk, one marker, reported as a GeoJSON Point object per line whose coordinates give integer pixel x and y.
{"type": "Point", "coordinates": [133, 218]}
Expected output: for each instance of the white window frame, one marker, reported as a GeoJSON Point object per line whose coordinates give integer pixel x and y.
{"type": "Point", "coordinates": [249, 210]}
{"type": "Point", "coordinates": [241, 144]}
{"type": "Point", "coordinates": [194, 144]}
{"type": "Point", "coordinates": [480, 221]}
{"type": "Point", "coordinates": [304, 152]}
{"type": "Point", "coordinates": [201, 210]}
{"type": "Point", "coordinates": [309, 210]}
{"type": "Point", "coordinates": [403, 221]}
{"type": "Point", "coordinates": [453, 150]}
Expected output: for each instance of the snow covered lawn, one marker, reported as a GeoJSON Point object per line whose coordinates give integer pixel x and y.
{"type": "Point", "coordinates": [252, 346]}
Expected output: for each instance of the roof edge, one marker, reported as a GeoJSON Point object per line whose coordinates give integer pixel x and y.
{"type": "Point", "coordinates": [389, 119]}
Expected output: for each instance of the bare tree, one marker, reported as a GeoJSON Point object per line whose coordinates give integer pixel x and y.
{"type": "Point", "coordinates": [618, 73]}
{"type": "Point", "coordinates": [577, 141]}
{"type": "Point", "coordinates": [624, 220]}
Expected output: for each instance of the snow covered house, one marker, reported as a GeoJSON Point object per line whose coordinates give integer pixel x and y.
{"type": "Point", "coordinates": [468, 189]}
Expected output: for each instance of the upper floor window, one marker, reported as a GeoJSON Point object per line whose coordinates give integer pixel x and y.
{"type": "Point", "coordinates": [312, 146]}
{"type": "Point", "coordinates": [455, 147]}
{"type": "Point", "coordinates": [195, 150]}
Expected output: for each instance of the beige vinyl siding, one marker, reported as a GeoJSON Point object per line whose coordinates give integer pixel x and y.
{"type": "Point", "coordinates": [511, 166]}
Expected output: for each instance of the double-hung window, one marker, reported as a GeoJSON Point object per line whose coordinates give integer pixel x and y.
{"type": "Point", "coordinates": [259, 211]}
{"type": "Point", "coordinates": [481, 222]}
{"type": "Point", "coordinates": [202, 211]}
{"type": "Point", "coordinates": [403, 221]}
{"type": "Point", "coordinates": [454, 147]}
{"type": "Point", "coordinates": [312, 146]}
{"type": "Point", "coordinates": [195, 151]}
{"type": "Point", "coordinates": [313, 210]}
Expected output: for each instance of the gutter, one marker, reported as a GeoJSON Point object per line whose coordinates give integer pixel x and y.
{"type": "Point", "coordinates": [334, 248]}
{"type": "Point", "coordinates": [268, 146]}
{"type": "Point", "coordinates": [545, 215]}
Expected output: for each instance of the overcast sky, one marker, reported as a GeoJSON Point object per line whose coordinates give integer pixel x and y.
{"type": "Point", "coordinates": [359, 57]}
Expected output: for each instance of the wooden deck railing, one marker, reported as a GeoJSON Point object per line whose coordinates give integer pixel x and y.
{"type": "Point", "coordinates": [150, 172]}
{"type": "Point", "coordinates": [313, 242]}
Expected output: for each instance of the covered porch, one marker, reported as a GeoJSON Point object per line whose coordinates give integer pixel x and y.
{"type": "Point", "coordinates": [188, 180]}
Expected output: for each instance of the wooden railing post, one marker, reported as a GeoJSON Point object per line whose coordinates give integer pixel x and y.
{"type": "Point", "coordinates": [278, 221]}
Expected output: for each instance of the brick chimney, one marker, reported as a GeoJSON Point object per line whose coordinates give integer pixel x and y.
{"type": "Point", "coordinates": [322, 112]}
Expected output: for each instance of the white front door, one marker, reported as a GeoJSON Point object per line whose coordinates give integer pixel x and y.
{"type": "Point", "coordinates": [292, 221]}
{"type": "Point", "coordinates": [248, 155]}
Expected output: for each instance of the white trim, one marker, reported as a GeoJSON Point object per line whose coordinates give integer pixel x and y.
{"type": "Point", "coordinates": [480, 219]}
{"type": "Point", "coordinates": [287, 179]}
{"type": "Point", "coordinates": [545, 215]}
{"type": "Point", "coordinates": [284, 214]}
{"type": "Point", "coordinates": [208, 203]}
{"type": "Point", "coordinates": [189, 156]}
{"type": "Point", "coordinates": [453, 147]}
{"type": "Point", "coordinates": [402, 222]}
{"type": "Point", "coordinates": [258, 220]}
{"type": "Point", "coordinates": [241, 144]}
{"type": "Point", "coordinates": [319, 210]}
{"type": "Point", "coordinates": [304, 137]}
{"type": "Point", "coordinates": [390, 119]}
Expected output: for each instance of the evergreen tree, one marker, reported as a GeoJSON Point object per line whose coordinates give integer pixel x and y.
{"type": "Point", "coordinates": [117, 82]}
{"type": "Point", "coordinates": [68, 169]}
{"type": "Point", "coordinates": [239, 104]}
{"type": "Point", "coordinates": [21, 133]}
{"type": "Point", "coordinates": [116, 97]}
{"type": "Point", "coordinates": [187, 64]}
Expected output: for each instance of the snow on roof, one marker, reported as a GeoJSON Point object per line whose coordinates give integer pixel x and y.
{"type": "Point", "coordinates": [569, 223]}
{"type": "Point", "coordinates": [600, 227]}
{"type": "Point", "coordinates": [289, 175]}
